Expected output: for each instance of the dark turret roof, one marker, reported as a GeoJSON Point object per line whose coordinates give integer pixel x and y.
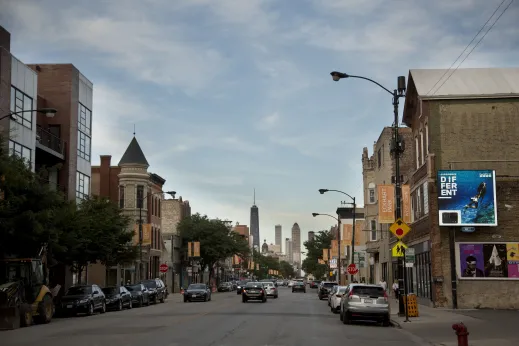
{"type": "Point", "coordinates": [134, 155]}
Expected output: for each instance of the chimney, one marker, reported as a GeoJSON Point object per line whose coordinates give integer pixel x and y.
{"type": "Point", "coordinates": [104, 176]}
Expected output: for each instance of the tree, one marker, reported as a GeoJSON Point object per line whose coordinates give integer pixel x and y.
{"type": "Point", "coordinates": [286, 269]}
{"type": "Point", "coordinates": [29, 209]}
{"type": "Point", "coordinates": [314, 252]}
{"type": "Point", "coordinates": [217, 242]}
{"type": "Point", "coordinates": [95, 230]}
{"type": "Point", "coordinates": [265, 263]}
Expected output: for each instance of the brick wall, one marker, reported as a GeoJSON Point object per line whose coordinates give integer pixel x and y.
{"type": "Point", "coordinates": [171, 215]}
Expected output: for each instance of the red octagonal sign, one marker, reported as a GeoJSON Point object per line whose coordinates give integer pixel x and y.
{"type": "Point", "coordinates": [163, 268]}
{"type": "Point", "coordinates": [352, 269]}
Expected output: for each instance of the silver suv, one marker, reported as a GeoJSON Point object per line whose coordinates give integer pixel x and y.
{"type": "Point", "coordinates": [366, 303]}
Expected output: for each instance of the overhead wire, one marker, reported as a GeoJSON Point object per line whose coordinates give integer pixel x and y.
{"type": "Point", "coordinates": [468, 45]}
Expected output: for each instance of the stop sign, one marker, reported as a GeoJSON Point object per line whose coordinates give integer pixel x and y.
{"type": "Point", "coordinates": [352, 269]}
{"type": "Point", "coordinates": [163, 268]}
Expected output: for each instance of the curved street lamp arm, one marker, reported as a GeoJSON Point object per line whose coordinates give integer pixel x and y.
{"type": "Point", "coordinates": [333, 217]}
{"type": "Point", "coordinates": [344, 193]}
{"type": "Point", "coordinates": [372, 81]}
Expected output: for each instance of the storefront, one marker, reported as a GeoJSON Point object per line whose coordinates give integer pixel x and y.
{"type": "Point", "coordinates": [419, 277]}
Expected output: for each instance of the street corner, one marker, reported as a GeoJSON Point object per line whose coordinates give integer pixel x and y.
{"type": "Point", "coordinates": [395, 324]}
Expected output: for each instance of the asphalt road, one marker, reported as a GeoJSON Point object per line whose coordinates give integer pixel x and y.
{"type": "Point", "coordinates": [293, 319]}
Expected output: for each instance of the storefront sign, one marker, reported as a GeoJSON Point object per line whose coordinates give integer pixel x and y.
{"type": "Point", "coordinates": [487, 261]}
{"type": "Point", "coordinates": [467, 198]}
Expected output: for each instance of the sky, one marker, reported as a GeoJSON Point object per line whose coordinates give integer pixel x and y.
{"type": "Point", "coordinates": [231, 95]}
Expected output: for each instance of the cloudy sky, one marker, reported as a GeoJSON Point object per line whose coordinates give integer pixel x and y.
{"type": "Point", "coordinates": [231, 95]}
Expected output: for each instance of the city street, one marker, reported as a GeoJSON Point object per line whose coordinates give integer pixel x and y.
{"type": "Point", "coordinates": [293, 319]}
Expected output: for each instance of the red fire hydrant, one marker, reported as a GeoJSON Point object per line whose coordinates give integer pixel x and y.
{"type": "Point", "coordinates": [462, 333]}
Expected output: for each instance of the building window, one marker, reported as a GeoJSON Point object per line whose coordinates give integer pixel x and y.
{"type": "Point", "coordinates": [84, 123]}
{"type": "Point", "coordinates": [83, 146]}
{"type": "Point", "coordinates": [373, 232]}
{"type": "Point", "coordinates": [419, 202]}
{"type": "Point", "coordinates": [21, 102]}
{"type": "Point", "coordinates": [379, 158]}
{"type": "Point", "coordinates": [422, 152]}
{"type": "Point", "coordinates": [427, 139]}
{"type": "Point", "coordinates": [20, 151]}
{"type": "Point", "coordinates": [425, 198]}
{"type": "Point", "coordinates": [417, 152]}
{"type": "Point", "coordinates": [82, 186]}
{"type": "Point", "coordinates": [372, 196]}
{"type": "Point", "coordinates": [140, 196]}
{"type": "Point", "coordinates": [160, 213]}
{"type": "Point", "coordinates": [121, 196]}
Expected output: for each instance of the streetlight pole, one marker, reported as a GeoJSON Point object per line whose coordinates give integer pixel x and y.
{"type": "Point", "coordinates": [322, 192]}
{"type": "Point", "coordinates": [141, 202]}
{"type": "Point", "coordinates": [397, 148]}
{"type": "Point", "coordinates": [338, 219]}
{"type": "Point", "coordinates": [49, 112]}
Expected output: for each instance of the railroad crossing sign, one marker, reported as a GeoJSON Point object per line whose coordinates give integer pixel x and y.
{"type": "Point", "coordinates": [398, 249]}
{"type": "Point", "coordinates": [352, 269]}
{"type": "Point", "coordinates": [399, 228]}
{"type": "Point", "coordinates": [163, 268]}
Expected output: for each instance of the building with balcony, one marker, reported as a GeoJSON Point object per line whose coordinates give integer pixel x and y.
{"type": "Point", "coordinates": [468, 122]}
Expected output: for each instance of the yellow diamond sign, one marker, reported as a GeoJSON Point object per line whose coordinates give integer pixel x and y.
{"type": "Point", "coordinates": [399, 228]}
{"type": "Point", "coordinates": [398, 249]}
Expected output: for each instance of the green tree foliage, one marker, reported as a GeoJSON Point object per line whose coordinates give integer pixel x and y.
{"type": "Point", "coordinates": [28, 208]}
{"type": "Point", "coordinates": [314, 252]}
{"type": "Point", "coordinates": [217, 242]}
{"type": "Point", "coordinates": [96, 230]}
{"type": "Point", "coordinates": [286, 269]}
{"type": "Point", "coordinates": [265, 263]}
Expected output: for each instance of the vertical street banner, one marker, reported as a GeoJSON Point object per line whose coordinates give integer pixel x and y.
{"type": "Point", "coordinates": [196, 249]}
{"type": "Point", "coordinates": [325, 254]}
{"type": "Point", "coordinates": [257, 266]}
{"type": "Point", "coordinates": [189, 249]}
{"type": "Point", "coordinates": [335, 248]}
{"type": "Point", "coordinates": [386, 204]}
{"type": "Point", "coordinates": [347, 233]}
{"type": "Point", "coordinates": [146, 234]}
{"type": "Point", "coordinates": [406, 203]}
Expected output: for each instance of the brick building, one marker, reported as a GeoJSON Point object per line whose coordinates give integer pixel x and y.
{"type": "Point", "coordinates": [468, 122]}
{"type": "Point", "coordinates": [379, 169]}
{"type": "Point", "coordinates": [135, 190]}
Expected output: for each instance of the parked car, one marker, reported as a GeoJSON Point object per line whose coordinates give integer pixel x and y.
{"type": "Point", "coordinates": [365, 302]}
{"type": "Point", "coordinates": [335, 298]}
{"type": "Point", "coordinates": [157, 290]}
{"type": "Point", "coordinates": [83, 299]}
{"type": "Point", "coordinates": [140, 294]}
{"type": "Point", "coordinates": [200, 292]}
{"type": "Point", "coordinates": [331, 293]}
{"type": "Point", "coordinates": [225, 287]}
{"type": "Point", "coordinates": [324, 289]}
{"type": "Point", "coordinates": [117, 298]}
{"type": "Point", "coordinates": [254, 291]}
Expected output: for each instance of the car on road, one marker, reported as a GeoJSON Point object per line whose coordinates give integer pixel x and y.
{"type": "Point", "coordinates": [253, 291]}
{"type": "Point", "coordinates": [365, 302]}
{"type": "Point", "coordinates": [157, 290]}
{"type": "Point", "coordinates": [270, 289]}
{"type": "Point", "coordinates": [200, 292]}
{"type": "Point", "coordinates": [117, 298]}
{"type": "Point", "coordinates": [315, 284]}
{"type": "Point", "coordinates": [83, 299]}
{"type": "Point", "coordinates": [240, 286]}
{"type": "Point", "coordinates": [325, 288]}
{"type": "Point", "coordinates": [225, 287]}
{"type": "Point", "coordinates": [140, 294]}
{"type": "Point", "coordinates": [299, 286]}
{"type": "Point", "coordinates": [331, 293]}
{"type": "Point", "coordinates": [335, 298]}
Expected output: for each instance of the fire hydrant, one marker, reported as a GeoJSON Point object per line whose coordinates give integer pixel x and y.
{"type": "Point", "coordinates": [462, 333]}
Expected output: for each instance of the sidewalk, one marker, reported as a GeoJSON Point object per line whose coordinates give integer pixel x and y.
{"type": "Point", "coordinates": [485, 327]}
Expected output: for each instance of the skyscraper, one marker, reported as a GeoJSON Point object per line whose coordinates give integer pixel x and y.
{"type": "Point", "coordinates": [288, 250]}
{"type": "Point", "coordinates": [254, 224]}
{"type": "Point", "coordinates": [311, 235]}
{"type": "Point", "coordinates": [296, 243]}
{"type": "Point", "coordinates": [277, 229]}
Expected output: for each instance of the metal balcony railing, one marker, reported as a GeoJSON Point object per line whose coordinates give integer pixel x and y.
{"type": "Point", "coordinates": [49, 140]}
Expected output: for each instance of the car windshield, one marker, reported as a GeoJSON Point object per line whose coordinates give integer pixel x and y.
{"type": "Point", "coordinates": [254, 285]}
{"type": "Point", "coordinates": [196, 287]}
{"type": "Point", "coordinates": [242, 283]}
{"type": "Point", "coordinates": [78, 290]}
{"type": "Point", "coordinates": [329, 284]}
{"type": "Point", "coordinates": [341, 290]}
{"type": "Point", "coordinates": [150, 283]}
{"type": "Point", "coordinates": [110, 290]}
{"type": "Point", "coordinates": [368, 291]}
{"type": "Point", "coordinates": [134, 288]}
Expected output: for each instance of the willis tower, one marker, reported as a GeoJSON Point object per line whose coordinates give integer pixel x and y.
{"type": "Point", "coordinates": [254, 224]}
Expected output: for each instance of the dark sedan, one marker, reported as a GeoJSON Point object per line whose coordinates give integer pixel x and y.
{"type": "Point", "coordinates": [83, 299]}
{"type": "Point", "coordinates": [299, 286]}
{"type": "Point", "coordinates": [200, 292]}
{"type": "Point", "coordinates": [254, 291]}
{"type": "Point", "coordinates": [140, 294]}
{"type": "Point", "coordinates": [117, 298]}
{"type": "Point", "coordinates": [157, 290]}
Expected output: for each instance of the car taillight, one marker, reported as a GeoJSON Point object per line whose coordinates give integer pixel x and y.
{"type": "Point", "coordinates": [244, 291]}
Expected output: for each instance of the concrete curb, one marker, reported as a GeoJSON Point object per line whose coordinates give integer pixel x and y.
{"type": "Point", "coordinates": [395, 324]}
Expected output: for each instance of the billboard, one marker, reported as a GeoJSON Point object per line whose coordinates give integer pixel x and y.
{"type": "Point", "coordinates": [487, 261]}
{"type": "Point", "coordinates": [467, 198]}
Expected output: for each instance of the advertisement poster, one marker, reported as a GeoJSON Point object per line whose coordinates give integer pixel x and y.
{"type": "Point", "coordinates": [406, 203]}
{"type": "Point", "coordinates": [467, 198]}
{"type": "Point", "coordinates": [488, 261]}
{"type": "Point", "coordinates": [386, 203]}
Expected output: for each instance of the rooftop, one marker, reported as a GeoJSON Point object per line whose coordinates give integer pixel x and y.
{"type": "Point", "coordinates": [134, 155]}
